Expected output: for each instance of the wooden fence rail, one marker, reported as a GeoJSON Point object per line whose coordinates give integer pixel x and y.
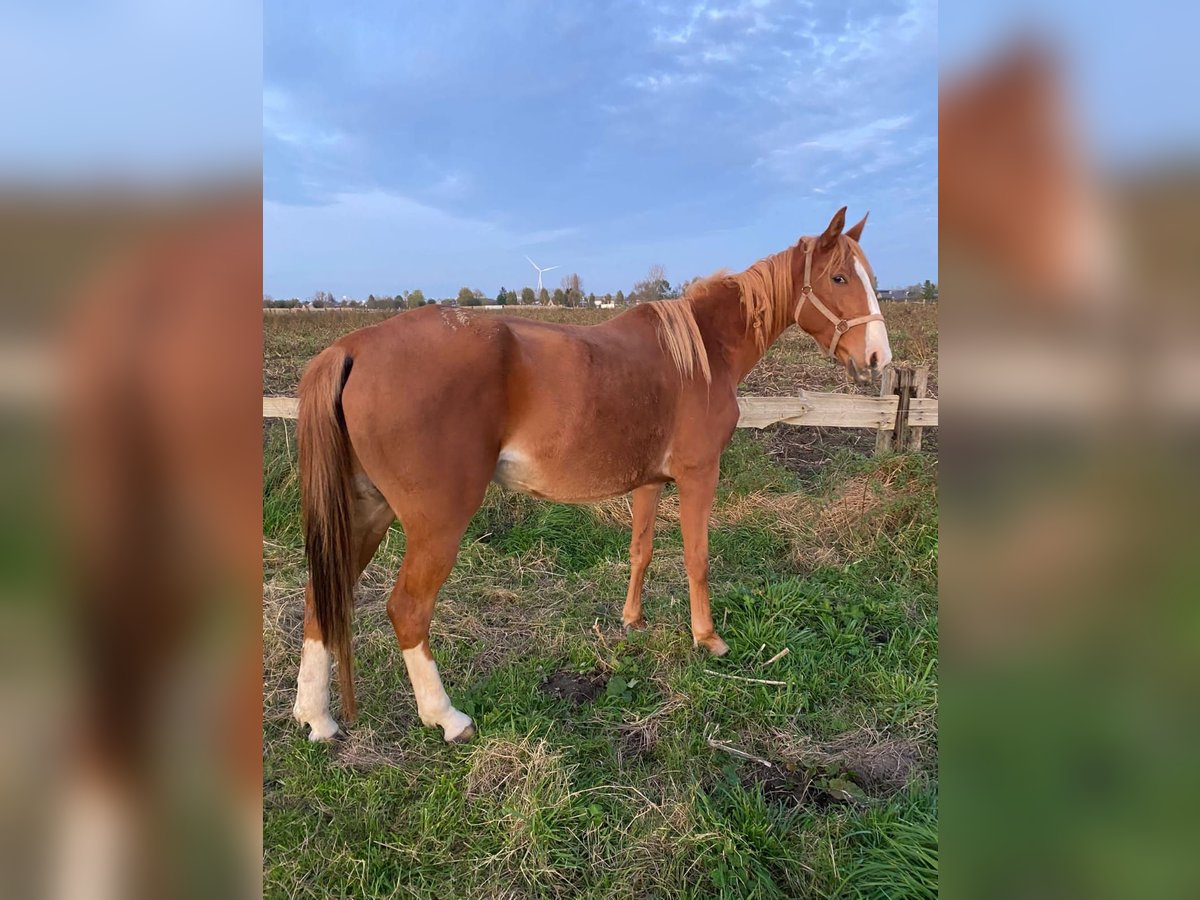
{"type": "Point", "coordinates": [898, 415]}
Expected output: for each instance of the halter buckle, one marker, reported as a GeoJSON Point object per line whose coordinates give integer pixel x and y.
{"type": "Point", "coordinates": [842, 327]}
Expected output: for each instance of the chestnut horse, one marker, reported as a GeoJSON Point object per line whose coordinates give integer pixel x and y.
{"type": "Point", "coordinates": [411, 419]}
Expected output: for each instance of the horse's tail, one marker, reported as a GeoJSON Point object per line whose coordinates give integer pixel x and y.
{"type": "Point", "coordinates": [327, 503]}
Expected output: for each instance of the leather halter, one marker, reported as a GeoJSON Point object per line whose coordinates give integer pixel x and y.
{"type": "Point", "coordinates": [840, 326]}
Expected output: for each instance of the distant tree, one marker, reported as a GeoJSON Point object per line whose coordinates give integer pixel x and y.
{"type": "Point", "coordinates": [620, 298]}
{"type": "Point", "coordinates": [502, 296]}
{"type": "Point", "coordinates": [591, 299]}
{"type": "Point", "coordinates": [464, 294]}
{"type": "Point", "coordinates": [653, 287]}
{"type": "Point", "coordinates": [572, 286]}
{"type": "Point", "coordinates": [415, 298]}
{"type": "Point", "coordinates": [928, 291]}
{"type": "Point", "coordinates": [527, 296]}
{"type": "Point", "coordinates": [544, 297]}
{"type": "Point", "coordinates": [560, 297]}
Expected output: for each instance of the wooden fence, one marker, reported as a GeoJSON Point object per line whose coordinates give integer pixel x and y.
{"type": "Point", "coordinates": [898, 415]}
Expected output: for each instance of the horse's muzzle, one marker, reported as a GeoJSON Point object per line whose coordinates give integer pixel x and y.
{"type": "Point", "coordinates": [859, 376]}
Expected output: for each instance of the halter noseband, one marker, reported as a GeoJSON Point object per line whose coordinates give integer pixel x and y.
{"type": "Point", "coordinates": [840, 326]}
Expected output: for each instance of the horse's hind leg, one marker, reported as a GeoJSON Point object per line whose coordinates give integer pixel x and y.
{"type": "Point", "coordinates": [372, 518]}
{"type": "Point", "coordinates": [427, 563]}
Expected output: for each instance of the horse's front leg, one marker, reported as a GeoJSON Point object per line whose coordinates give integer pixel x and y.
{"type": "Point", "coordinates": [696, 490]}
{"type": "Point", "coordinates": [641, 548]}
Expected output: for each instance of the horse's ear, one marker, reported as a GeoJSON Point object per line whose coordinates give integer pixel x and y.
{"type": "Point", "coordinates": [836, 224]}
{"type": "Point", "coordinates": [855, 230]}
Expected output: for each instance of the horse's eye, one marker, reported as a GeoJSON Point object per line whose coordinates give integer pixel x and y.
{"type": "Point", "coordinates": [839, 279]}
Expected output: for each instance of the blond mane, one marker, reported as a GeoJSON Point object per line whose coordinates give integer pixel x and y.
{"type": "Point", "coordinates": [766, 289]}
{"type": "Point", "coordinates": [680, 337]}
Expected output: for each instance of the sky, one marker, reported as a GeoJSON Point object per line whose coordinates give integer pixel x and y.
{"type": "Point", "coordinates": [434, 146]}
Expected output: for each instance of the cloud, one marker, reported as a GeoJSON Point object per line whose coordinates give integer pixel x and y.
{"type": "Point", "coordinates": [641, 130]}
{"type": "Point", "coordinates": [284, 122]}
{"type": "Point", "coordinates": [857, 137]}
{"type": "Point", "coordinates": [658, 82]}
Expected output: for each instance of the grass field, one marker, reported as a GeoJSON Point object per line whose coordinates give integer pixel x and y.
{"type": "Point", "coordinates": [603, 764]}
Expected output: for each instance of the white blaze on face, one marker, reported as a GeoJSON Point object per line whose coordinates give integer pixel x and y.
{"type": "Point", "coordinates": [877, 336]}
{"type": "Point", "coordinates": [312, 691]}
{"type": "Point", "coordinates": [433, 705]}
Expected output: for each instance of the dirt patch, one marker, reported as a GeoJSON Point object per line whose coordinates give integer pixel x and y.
{"type": "Point", "coordinates": [881, 764]}
{"type": "Point", "coordinates": [577, 689]}
{"type": "Point", "coordinates": [797, 786]}
{"type": "Point", "coordinates": [853, 767]}
{"type": "Point", "coordinates": [637, 740]}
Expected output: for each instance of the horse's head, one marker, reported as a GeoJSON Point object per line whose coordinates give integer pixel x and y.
{"type": "Point", "coordinates": [835, 300]}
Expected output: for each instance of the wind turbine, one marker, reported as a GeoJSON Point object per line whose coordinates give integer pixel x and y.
{"type": "Point", "coordinates": [540, 270]}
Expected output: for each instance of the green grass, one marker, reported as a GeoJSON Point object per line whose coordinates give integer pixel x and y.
{"type": "Point", "coordinates": [624, 795]}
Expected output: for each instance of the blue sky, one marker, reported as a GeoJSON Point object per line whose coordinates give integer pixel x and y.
{"type": "Point", "coordinates": [433, 145]}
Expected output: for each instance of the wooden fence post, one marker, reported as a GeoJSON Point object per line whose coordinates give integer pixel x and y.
{"type": "Point", "coordinates": [904, 388]}
{"type": "Point", "coordinates": [920, 389]}
{"type": "Point", "coordinates": [887, 387]}
{"type": "Point", "coordinates": [908, 383]}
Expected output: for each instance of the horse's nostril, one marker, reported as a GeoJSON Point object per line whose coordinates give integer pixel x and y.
{"type": "Point", "coordinates": [874, 360]}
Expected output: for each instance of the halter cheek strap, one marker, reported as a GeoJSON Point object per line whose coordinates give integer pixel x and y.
{"type": "Point", "coordinates": [840, 326]}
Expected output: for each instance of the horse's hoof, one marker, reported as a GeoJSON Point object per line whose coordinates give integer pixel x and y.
{"type": "Point", "coordinates": [463, 736]}
{"type": "Point", "coordinates": [713, 644]}
{"type": "Point", "coordinates": [638, 624]}
{"type": "Point", "coordinates": [324, 735]}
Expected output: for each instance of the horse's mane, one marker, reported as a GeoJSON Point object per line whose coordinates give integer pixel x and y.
{"type": "Point", "coordinates": [766, 290]}
{"type": "Point", "coordinates": [680, 337]}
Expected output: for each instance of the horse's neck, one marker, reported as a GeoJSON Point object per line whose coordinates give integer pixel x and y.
{"type": "Point", "coordinates": [723, 324]}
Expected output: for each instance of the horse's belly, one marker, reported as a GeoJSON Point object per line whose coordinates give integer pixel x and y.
{"type": "Point", "coordinates": [569, 481]}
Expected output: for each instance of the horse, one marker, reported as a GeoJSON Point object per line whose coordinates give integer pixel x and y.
{"type": "Point", "coordinates": [412, 418]}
